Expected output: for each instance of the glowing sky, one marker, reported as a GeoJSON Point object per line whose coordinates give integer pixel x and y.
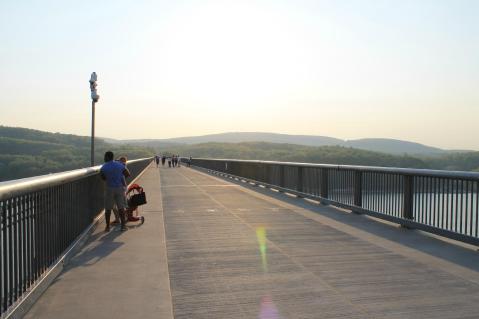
{"type": "Point", "coordinates": [405, 69]}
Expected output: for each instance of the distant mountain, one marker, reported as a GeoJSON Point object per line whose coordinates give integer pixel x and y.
{"type": "Point", "coordinates": [155, 143]}
{"type": "Point", "coordinates": [392, 146]}
{"type": "Point", "coordinates": [383, 145]}
{"type": "Point", "coordinates": [241, 137]}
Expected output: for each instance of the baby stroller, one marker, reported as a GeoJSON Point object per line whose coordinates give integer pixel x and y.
{"type": "Point", "coordinates": [135, 197]}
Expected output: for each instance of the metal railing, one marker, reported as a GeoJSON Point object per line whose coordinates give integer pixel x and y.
{"type": "Point", "coordinates": [40, 217]}
{"type": "Point", "coordinates": [440, 202]}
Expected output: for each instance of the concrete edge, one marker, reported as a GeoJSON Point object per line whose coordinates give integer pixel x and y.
{"type": "Point", "coordinates": [24, 304]}
{"type": "Point", "coordinates": [172, 314]}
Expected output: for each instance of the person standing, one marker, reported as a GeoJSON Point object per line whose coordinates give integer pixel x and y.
{"type": "Point", "coordinates": [123, 160]}
{"type": "Point", "coordinates": [114, 174]}
{"type": "Point", "coordinates": [157, 160]}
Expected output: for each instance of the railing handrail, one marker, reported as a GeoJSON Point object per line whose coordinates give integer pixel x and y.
{"type": "Point", "coordinates": [445, 203]}
{"type": "Point", "coordinates": [40, 218]}
{"type": "Point", "coordinates": [391, 170]}
{"type": "Point", "coordinates": [18, 187]}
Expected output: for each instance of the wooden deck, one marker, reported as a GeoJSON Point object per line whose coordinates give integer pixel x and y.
{"type": "Point", "coordinates": [230, 250]}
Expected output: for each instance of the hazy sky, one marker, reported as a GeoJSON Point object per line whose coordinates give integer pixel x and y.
{"type": "Point", "coordinates": [405, 69]}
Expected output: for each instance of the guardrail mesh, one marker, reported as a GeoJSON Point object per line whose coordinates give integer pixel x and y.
{"type": "Point", "coordinates": [38, 223]}
{"type": "Point", "coordinates": [441, 202]}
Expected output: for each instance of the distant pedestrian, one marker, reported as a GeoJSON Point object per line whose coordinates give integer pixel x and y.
{"type": "Point", "coordinates": [114, 174]}
{"type": "Point", "coordinates": [189, 162]}
{"type": "Point", "coordinates": [157, 160]}
{"type": "Point", "coordinates": [169, 161]}
{"type": "Point", "coordinates": [163, 159]}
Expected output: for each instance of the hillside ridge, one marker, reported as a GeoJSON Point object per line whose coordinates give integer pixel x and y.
{"type": "Point", "coordinates": [384, 145]}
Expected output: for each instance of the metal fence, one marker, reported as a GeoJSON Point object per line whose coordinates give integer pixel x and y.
{"type": "Point", "coordinates": [441, 202]}
{"type": "Point", "coordinates": [40, 218]}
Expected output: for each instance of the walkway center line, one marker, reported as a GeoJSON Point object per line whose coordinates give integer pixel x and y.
{"type": "Point", "coordinates": [361, 308]}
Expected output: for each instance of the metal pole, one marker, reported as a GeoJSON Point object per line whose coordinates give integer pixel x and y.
{"type": "Point", "coordinates": [94, 99]}
{"type": "Point", "coordinates": [92, 133]}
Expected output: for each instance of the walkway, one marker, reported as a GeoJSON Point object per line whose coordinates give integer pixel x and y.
{"type": "Point", "coordinates": [212, 248]}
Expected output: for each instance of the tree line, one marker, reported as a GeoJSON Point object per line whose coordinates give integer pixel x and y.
{"type": "Point", "coordinates": [26, 153]}
{"type": "Point", "coordinates": [340, 155]}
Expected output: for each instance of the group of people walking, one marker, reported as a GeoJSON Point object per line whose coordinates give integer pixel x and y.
{"type": "Point", "coordinates": [173, 161]}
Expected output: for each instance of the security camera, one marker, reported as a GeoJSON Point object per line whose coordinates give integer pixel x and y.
{"type": "Point", "coordinates": [93, 77]}
{"type": "Point", "coordinates": [95, 97]}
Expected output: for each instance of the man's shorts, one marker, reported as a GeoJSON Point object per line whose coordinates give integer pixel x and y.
{"type": "Point", "coordinates": [115, 196]}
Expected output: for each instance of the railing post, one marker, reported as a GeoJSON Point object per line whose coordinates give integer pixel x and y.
{"type": "Point", "coordinates": [358, 189]}
{"type": "Point", "coordinates": [299, 186]}
{"type": "Point", "coordinates": [269, 174]}
{"type": "Point", "coordinates": [281, 176]}
{"type": "Point", "coordinates": [324, 183]}
{"type": "Point", "coordinates": [263, 168]}
{"type": "Point", "coordinates": [408, 197]}
{"type": "Point", "coordinates": [3, 284]}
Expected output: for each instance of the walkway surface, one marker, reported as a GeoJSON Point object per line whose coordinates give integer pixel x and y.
{"type": "Point", "coordinates": [215, 248]}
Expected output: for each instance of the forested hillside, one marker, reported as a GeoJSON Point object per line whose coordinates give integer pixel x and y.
{"type": "Point", "coordinates": [25, 152]}
{"type": "Point", "coordinates": [456, 162]}
{"type": "Point", "coordinates": [326, 155]}
{"type": "Point", "coordinates": [467, 161]}
{"type": "Point", "coordinates": [298, 153]}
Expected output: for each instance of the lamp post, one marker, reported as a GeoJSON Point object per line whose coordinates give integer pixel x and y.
{"type": "Point", "coordinates": [94, 99]}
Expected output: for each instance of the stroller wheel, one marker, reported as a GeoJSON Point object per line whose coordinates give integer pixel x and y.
{"type": "Point", "coordinates": [142, 220]}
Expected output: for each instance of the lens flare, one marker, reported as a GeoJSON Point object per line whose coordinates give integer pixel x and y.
{"type": "Point", "coordinates": [261, 235]}
{"type": "Point", "coordinates": [268, 309]}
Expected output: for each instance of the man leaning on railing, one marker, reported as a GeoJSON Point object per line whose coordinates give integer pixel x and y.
{"type": "Point", "coordinates": [113, 173]}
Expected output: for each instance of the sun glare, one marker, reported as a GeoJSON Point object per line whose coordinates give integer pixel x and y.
{"type": "Point", "coordinates": [232, 54]}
